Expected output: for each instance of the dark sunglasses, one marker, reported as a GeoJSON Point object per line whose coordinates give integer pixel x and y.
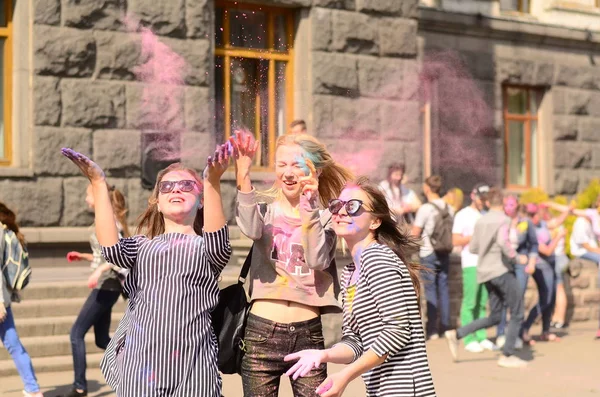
{"type": "Point", "coordinates": [168, 186]}
{"type": "Point", "coordinates": [352, 206]}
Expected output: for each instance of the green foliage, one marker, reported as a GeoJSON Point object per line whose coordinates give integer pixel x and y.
{"type": "Point", "coordinates": [535, 196]}
{"type": "Point", "coordinates": [587, 198]}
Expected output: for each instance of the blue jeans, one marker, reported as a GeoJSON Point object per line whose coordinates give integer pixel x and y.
{"type": "Point", "coordinates": [10, 339]}
{"type": "Point", "coordinates": [96, 311]}
{"type": "Point", "coordinates": [544, 279]}
{"type": "Point", "coordinates": [522, 279]}
{"type": "Point", "coordinates": [436, 291]}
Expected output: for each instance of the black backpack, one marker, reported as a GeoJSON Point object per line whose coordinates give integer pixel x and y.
{"type": "Point", "coordinates": [441, 237]}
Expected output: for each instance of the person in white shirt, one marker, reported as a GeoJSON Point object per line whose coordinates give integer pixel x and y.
{"type": "Point", "coordinates": [584, 244]}
{"type": "Point", "coordinates": [403, 201]}
{"type": "Point", "coordinates": [475, 295]}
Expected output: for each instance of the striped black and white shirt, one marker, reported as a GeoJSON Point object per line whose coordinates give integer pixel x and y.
{"type": "Point", "coordinates": [165, 344]}
{"type": "Point", "coordinates": [381, 313]}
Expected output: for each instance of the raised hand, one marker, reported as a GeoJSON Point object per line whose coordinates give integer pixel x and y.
{"type": "Point", "coordinates": [217, 164]}
{"type": "Point", "coordinates": [307, 360]}
{"type": "Point", "coordinates": [244, 149]}
{"type": "Point", "coordinates": [90, 169]}
{"type": "Point", "coordinates": [310, 183]}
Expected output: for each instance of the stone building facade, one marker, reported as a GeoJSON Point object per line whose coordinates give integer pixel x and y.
{"type": "Point", "coordinates": [368, 77]}
{"type": "Point", "coordinates": [77, 86]}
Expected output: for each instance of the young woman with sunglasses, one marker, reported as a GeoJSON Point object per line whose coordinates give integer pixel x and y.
{"type": "Point", "coordinates": [165, 345]}
{"type": "Point", "coordinates": [293, 247]}
{"type": "Point", "coordinates": [382, 332]}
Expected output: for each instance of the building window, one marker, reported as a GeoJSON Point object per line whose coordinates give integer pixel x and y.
{"type": "Point", "coordinates": [5, 82]}
{"type": "Point", "coordinates": [254, 73]}
{"type": "Point", "coordinates": [515, 5]}
{"type": "Point", "coordinates": [521, 136]}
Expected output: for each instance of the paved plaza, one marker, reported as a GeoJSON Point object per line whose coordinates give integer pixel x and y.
{"type": "Point", "coordinates": [568, 368]}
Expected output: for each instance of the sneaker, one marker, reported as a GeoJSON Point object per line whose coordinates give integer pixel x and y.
{"type": "Point", "coordinates": [452, 343]}
{"type": "Point", "coordinates": [488, 345]}
{"type": "Point", "coordinates": [500, 341]}
{"type": "Point", "coordinates": [36, 394]}
{"type": "Point", "coordinates": [511, 362]}
{"type": "Point", "coordinates": [474, 347]}
{"type": "Point", "coordinates": [433, 337]}
{"type": "Point", "coordinates": [597, 334]}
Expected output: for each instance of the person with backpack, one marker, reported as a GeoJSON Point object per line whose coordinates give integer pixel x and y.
{"type": "Point", "coordinates": [433, 223]}
{"type": "Point", "coordinates": [15, 275]}
{"type": "Point", "coordinates": [292, 279]}
{"type": "Point", "coordinates": [496, 259]}
{"type": "Point", "coordinates": [105, 285]}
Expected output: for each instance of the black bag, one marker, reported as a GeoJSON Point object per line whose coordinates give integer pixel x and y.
{"type": "Point", "coordinates": [229, 322]}
{"type": "Point", "coordinates": [441, 237]}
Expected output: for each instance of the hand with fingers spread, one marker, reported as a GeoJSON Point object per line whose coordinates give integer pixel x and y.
{"type": "Point", "coordinates": [217, 164]}
{"type": "Point", "coordinates": [90, 169]}
{"type": "Point", "coordinates": [244, 149]}
{"type": "Point", "coordinates": [307, 360]}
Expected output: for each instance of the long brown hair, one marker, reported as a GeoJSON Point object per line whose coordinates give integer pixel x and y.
{"type": "Point", "coordinates": [390, 233]}
{"type": "Point", "coordinates": [333, 176]}
{"type": "Point", "coordinates": [152, 223]}
{"type": "Point", "coordinates": [117, 199]}
{"type": "Point", "coordinates": [9, 218]}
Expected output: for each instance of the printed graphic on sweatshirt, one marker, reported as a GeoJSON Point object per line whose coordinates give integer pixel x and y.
{"type": "Point", "coordinates": [288, 254]}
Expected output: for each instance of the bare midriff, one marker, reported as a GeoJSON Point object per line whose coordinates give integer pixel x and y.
{"type": "Point", "coordinates": [284, 312]}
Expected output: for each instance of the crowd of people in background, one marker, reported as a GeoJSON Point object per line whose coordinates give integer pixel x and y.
{"type": "Point", "coordinates": [169, 271]}
{"type": "Point", "coordinates": [501, 243]}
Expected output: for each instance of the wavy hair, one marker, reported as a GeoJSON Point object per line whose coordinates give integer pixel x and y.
{"type": "Point", "coordinates": [333, 177]}
{"type": "Point", "coordinates": [390, 233]}
{"type": "Point", "coordinates": [8, 217]}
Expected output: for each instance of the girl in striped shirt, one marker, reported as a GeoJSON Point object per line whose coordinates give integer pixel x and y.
{"type": "Point", "coordinates": [382, 331]}
{"type": "Point", "coordinates": [165, 344]}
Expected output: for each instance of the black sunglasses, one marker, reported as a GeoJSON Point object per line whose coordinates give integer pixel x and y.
{"type": "Point", "coordinates": [352, 206]}
{"type": "Point", "coordinates": [168, 186]}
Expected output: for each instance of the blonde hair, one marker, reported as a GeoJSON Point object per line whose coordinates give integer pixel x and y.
{"type": "Point", "coordinates": [455, 198]}
{"type": "Point", "coordinates": [152, 223]}
{"type": "Point", "coordinates": [119, 205]}
{"type": "Point", "coordinates": [333, 176]}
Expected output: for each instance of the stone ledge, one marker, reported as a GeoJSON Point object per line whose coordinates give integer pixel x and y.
{"type": "Point", "coordinates": [505, 28]}
{"type": "Point", "coordinates": [15, 172]}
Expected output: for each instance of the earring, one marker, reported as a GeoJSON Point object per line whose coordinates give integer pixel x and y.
{"type": "Point", "coordinates": [158, 208]}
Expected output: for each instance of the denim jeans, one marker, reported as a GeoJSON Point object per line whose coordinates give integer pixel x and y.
{"type": "Point", "coordinates": [10, 340]}
{"type": "Point", "coordinates": [267, 343]}
{"type": "Point", "coordinates": [522, 279]}
{"type": "Point", "coordinates": [544, 278]}
{"type": "Point", "coordinates": [96, 311]}
{"type": "Point", "coordinates": [503, 292]}
{"type": "Point", "coordinates": [437, 293]}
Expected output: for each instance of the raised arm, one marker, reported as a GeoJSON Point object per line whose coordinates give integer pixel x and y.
{"type": "Point", "coordinates": [106, 227]}
{"type": "Point", "coordinates": [248, 216]}
{"type": "Point", "coordinates": [559, 220]}
{"type": "Point", "coordinates": [216, 236]}
{"type": "Point", "coordinates": [318, 240]}
{"type": "Point", "coordinates": [564, 208]}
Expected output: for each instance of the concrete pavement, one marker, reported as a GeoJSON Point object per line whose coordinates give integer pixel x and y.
{"type": "Point", "coordinates": [568, 368]}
